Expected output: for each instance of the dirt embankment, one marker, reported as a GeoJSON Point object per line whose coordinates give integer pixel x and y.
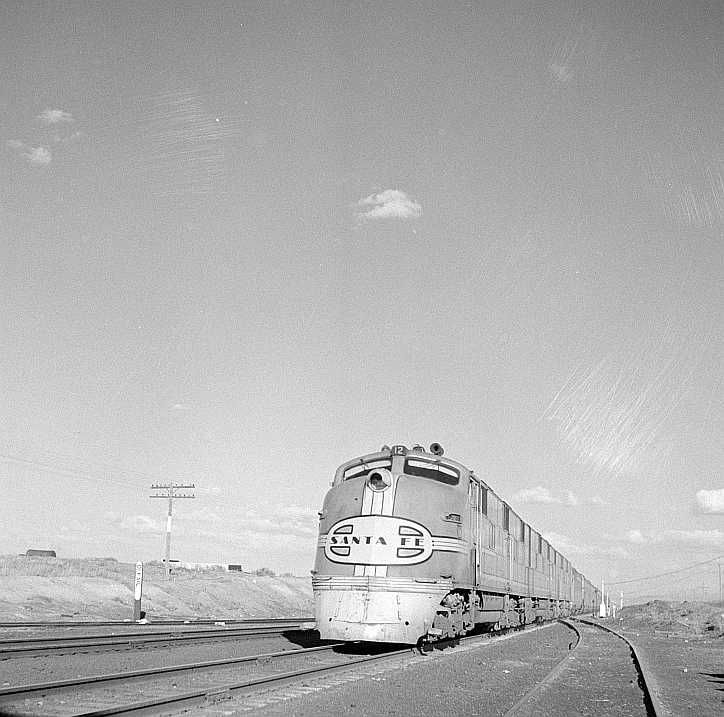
{"type": "Point", "coordinates": [54, 589]}
{"type": "Point", "coordinates": [676, 618]}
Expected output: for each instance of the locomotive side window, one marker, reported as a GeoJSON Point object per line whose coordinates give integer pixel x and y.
{"type": "Point", "coordinates": [434, 471]}
{"type": "Point", "coordinates": [364, 468]}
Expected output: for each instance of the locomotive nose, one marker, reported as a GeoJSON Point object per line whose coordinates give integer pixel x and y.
{"type": "Point", "coordinates": [379, 479]}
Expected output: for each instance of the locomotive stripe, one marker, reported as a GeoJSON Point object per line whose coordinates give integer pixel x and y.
{"type": "Point", "coordinates": [376, 503]}
{"type": "Point", "coordinates": [380, 584]}
{"type": "Point", "coordinates": [447, 545]}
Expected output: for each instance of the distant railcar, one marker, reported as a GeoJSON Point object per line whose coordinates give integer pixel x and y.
{"type": "Point", "coordinates": [414, 548]}
{"type": "Point", "coordinates": [35, 553]}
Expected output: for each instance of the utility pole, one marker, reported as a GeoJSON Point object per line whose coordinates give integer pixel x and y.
{"type": "Point", "coordinates": [170, 494]}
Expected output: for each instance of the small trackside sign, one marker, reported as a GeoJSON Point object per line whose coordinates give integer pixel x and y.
{"type": "Point", "coordinates": [138, 591]}
{"type": "Point", "coordinates": [138, 584]}
{"type": "Point", "coordinates": [378, 540]}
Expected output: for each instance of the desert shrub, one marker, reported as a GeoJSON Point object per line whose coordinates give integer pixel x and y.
{"type": "Point", "coordinates": [264, 573]}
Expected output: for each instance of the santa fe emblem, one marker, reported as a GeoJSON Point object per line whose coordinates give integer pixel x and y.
{"type": "Point", "coordinates": [378, 540]}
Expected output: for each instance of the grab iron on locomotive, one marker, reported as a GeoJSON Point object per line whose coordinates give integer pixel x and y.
{"type": "Point", "coordinates": [415, 548]}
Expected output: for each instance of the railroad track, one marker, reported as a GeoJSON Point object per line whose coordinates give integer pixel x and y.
{"type": "Point", "coordinates": [121, 693]}
{"type": "Point", "coordinates": [545, 696]}
{"type": "Point", "coordinates": [177, 688]}
{"type": "Point", "coordinates": [44, 646]}
{"type": "Point", "coordinates": [194, 685]}
{"type": "Point", "coordinates": [156, 622]}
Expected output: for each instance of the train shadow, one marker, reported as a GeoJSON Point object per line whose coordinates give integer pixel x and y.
{"type": "Point", "coordinates": [304, 638]}
{"type": "Point", "coordinates": [717, 678]}
{"type": "Point", "coordinates": [310, 638]}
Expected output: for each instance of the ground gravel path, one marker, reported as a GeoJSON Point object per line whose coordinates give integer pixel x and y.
{"type": "Point", "coordinates": [689, 672]}
{"type": "Point", "coordinates": [599, 679]}
{"type": "Point", "coordinates": [484, 677]}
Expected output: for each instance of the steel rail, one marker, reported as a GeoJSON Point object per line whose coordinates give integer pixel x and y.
{"type": "Point", "coordinates": [519, 708]}
{"type": "Point", "coordinates": [651, 702]}
{"type": "Point", "coordinates": [155, 706]}
{"type": "Point", "coordinates": [43, 646]}
{"type": "Point", "coordinates": [204, 696]}
{"type": "Point", "coordinates": [647, 681]}
{"type": "Point", "coordinates": [253, 626]}
{"type": "Point", "coordinates": [188, 699]}
{"type": "Point", "coordinates": [157, 621]}
{"type": "Point", "coordinates": [60, 685]}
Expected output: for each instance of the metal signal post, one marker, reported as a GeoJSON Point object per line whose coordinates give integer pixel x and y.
{"type": "Point", "coordinates": [170, 494]}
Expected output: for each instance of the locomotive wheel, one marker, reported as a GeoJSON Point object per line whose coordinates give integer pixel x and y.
{"type": "Point", "coordinates": [423, 646]}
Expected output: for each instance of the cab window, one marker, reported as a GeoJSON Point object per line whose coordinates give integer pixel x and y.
{"type": "Point", "coordinates": [434, 471]}
{"type": "Point", "coordinates": [364, 468]}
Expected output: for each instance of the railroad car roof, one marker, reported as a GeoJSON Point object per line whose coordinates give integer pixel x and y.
{"type": "Point", "coordinates": [387, 453]}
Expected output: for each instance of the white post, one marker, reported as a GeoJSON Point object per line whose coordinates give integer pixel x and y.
{"type": "Point", "coordinates": [602, 607]}
{"type": "Point", "coordinates": [138, 591]}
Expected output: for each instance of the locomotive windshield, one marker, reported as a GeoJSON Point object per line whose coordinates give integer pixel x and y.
{"type": "Point", "coordinates": [434, 471]}
{"type": "Point", "coordinates": [364, 468]}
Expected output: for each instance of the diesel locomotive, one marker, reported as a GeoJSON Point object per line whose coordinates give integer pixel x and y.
{"type": "Point", "coordinates": [414, 548]}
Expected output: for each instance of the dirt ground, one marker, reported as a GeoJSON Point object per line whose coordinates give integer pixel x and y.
{"type": "Point", "coordinates": [683, 644]}
{"type": "Point", "coordinates": [37, 589]}
{"type": "Point", "coordinates": [675, 618]}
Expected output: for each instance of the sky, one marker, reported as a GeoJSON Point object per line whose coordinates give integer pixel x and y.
{"type": "Point", "coordinates": [245, 242]}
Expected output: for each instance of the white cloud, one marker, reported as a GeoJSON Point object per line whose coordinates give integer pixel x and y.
{"type": "Point", "coordinates": [560, 72]}
{"type": "Point", "coordinates": [70, 138]}
{"type": "Point", "coordinates": [697, 537]}
{"type": "Point", "coordinates": [562, 543]}
{"type": "Point", "coordinates": [711, 501]}
{"type": "Point", "coordinates": [253, 527]}
{"type": "Point", "coordinates": [37, 156]}
{"type": "Point", "coordinates": [140, 524]}
{"type": "Point", "coordinates": [55, 117]}
{"type": "Point", "coordinates": [636, 537]}
{"type": "Point", "coordinates": [688, 537]}
{"type": "Point", "coordinates": [568, 547]}
{"type": "Point", "coordinates": [539, 494]}
{"type": "Point", "coordinates": [389, 204]}
{"type": "Point", "coordinates": [290, 521]}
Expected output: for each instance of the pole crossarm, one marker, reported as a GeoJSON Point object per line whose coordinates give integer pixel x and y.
{"type": "Point", "coordinates": [170, 494]}
{"type": "Point", "coordinates": [174, 495]}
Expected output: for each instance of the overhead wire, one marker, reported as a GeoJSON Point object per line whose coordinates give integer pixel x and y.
{"type": "Point", "coordinates": [83, 475]}
{"type": "Point", "coordinates": [670, 572]}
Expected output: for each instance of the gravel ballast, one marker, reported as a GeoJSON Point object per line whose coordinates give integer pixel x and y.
{"type": "Point", "coordinates": [483, 677]}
